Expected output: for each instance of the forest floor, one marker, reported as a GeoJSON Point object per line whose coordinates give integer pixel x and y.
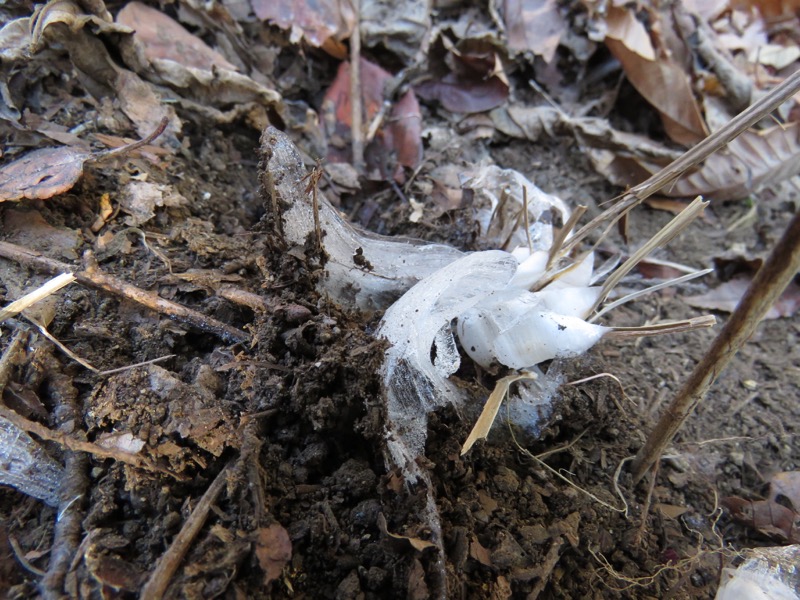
{"type": "Point", "coordinates": [286, 425]}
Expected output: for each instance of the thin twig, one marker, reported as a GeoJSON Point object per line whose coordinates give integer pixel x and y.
{"type": "Point", "coordinates": [97, 279]}
{"type": "Point", "coordinates": [169, 562]}
{"type": "Point", "coordinates": [79, 445]}
{"type": "Point", "coordinates": [10, 355]}
{"type": "Point", "coordinates": [356, 129]}
{"type": "Point", "coordinates": [43, 291]}
{"type": "Point", "coordinates": [72, 491]}
{"type": "Point", "coordinates": [768, 284]}
{"type": "Point", "coordinates": [20, 556]}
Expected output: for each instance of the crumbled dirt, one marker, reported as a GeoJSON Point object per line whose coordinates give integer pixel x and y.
{"type": "Point", "coordinates": [297, 411]}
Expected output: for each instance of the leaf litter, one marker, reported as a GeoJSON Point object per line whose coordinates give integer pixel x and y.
{"type": "Point", "coordinates": [308, 498]}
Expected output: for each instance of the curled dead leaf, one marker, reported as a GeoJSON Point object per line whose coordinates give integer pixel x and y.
{"type": "Point", "coordinates": [42, 174]}
{"type": "Point", "coordinates": [416, 543]}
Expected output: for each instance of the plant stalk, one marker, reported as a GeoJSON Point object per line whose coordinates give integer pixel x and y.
{"type": "Point", "coordinates": [772, 278]}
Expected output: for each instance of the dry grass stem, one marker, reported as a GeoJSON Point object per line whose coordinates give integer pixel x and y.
{"type": "Point", "coordinates": [662, 328]}
{"type": "Point", "coordinates": [664, 236]}
{"type": "Point", "coordinates": [486, 419]}
{"type": "Point", "coordinates": [648, 290]}
{"type": "Point", "coordinates": [43, 291]}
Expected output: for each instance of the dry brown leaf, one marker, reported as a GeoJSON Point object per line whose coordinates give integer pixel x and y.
{"type": "Point", "coordinates": [750, 161]}
{"type": "Point", "coordinates": [317, 22]}
{"type": "Point", "coordinates": [42, 174]}
{"type": "Point", "coordinates": [416, 543]}
{"type": "Point", "coordinates": [273, 550]}
{"type": "Point", "coordinates": [400, 135]}
{"type": "Point", "coordinates": [401, 27]}
{"type": "Point", "coordinates": [162, 37]}
{"type": "Point", "coordinates": [474, 80]}
{"type": "Point", "coordinates": [767, 517]}
{"type": "Point", "coordinates": [786, 484]}
{"type": "Point", "coordinates": [479, 552]}
{"type": "Point", "coordinates": [63, 24]}
{"type": "Point", "coordinates": [532, 26]}
{"type": "Point", "coordinates": [727, 296]}
{"type": "Point", "coordinates": [679, 110]}
{"type": "Point", "coordinates": [623, 26]}
{"type": "Point", "coordinates": [670, 510]}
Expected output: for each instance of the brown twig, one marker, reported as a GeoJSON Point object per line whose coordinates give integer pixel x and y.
{"type": "Point", "coordinates": [97, 279]}
{"type": "Point", "coordinates": [169, 562]}
{"type": "Point", "coordinates": [72, 491]}
{"type": "Point", "coordinates": [356, 130]}
{"type": "Point", "coordinates": [71, 443]}
{"type": "Point", "coordinates": [768, 284]}
{"type": "Point", "coordinates": [10, 355]}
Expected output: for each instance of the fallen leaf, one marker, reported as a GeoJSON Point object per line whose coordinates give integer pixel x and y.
{"type": "Point", "coordinates": [56, 25]}
{"type": "Point", "coordinates": [532, 26]}
{"type": "Point", "coordinates": [321, 23]}
{"type": "Point", "coordinates": [273, 550]}
{"type": "Point", "coordinates": [670, 510]}
{"type": "Point", "coordinates": [479, 552]}
{"type": "Point", "coordinates": [162, 37]}
{"type": "Point", "coordinates": [623, 26]}
{"type": "Point", "coordinates": [42, 174]}
{"type": "Point", "coordinates": [464, 96]}
{"type": "Point", "coordinates": [471, 79]}
{"type": "Point", "coordinates": [753, 159]}
{"type": "Point", "coordinates": [416, 543]}
{"type": "Point", "coordinates": [765, 516]}
{"type": "Point", "coordinates": [727, 296]}
{"type": "Point", "coordinates": [786, 484]}
{"type": "Point", "coordinates": [400, 27]}
{"type": "Point", "coordinates": [679, 110]}
{"type": "Point", "coordinates": [398, 137]}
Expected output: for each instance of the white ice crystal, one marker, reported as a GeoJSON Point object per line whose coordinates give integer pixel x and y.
{"type": "Point", "coordinates": [495, 301]}
{"type": "Point", "coordinates": [484, 297]}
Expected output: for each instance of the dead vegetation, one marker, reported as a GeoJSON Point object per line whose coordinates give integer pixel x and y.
{"type": "Point", "coordinates": [218, 403]}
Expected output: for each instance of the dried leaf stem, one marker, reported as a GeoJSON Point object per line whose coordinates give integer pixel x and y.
{"type": "Point", "coordinates": [97, 279]}
{"type": "Point", "coordinates": [770, 281]}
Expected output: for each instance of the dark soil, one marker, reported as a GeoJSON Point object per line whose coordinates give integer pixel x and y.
{"type": "Point", "coordinates": [297, 410]}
